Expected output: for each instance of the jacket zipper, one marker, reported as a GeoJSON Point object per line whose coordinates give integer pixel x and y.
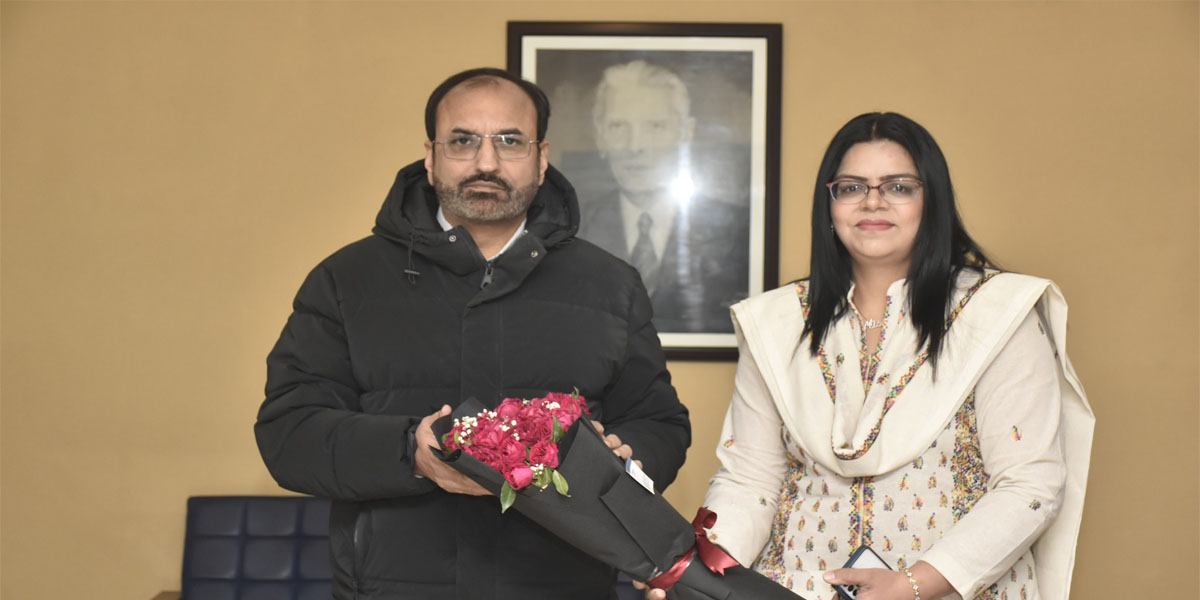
{"type": "Point", "coordinates": [487, 276]}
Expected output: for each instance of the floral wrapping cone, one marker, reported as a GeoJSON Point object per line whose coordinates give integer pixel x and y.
{"type": "Point", "coordinates": [611, 517]}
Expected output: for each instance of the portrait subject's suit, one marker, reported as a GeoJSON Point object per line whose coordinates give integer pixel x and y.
{"type": "Point", "coordinates": [704, 267]}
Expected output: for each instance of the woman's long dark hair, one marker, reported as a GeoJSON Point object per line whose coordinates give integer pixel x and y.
{"type": "Point", "coordinates": [941, 251]}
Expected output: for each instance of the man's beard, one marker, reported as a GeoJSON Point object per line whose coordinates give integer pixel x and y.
{"type": "Point", "coordinates": [484, 206]}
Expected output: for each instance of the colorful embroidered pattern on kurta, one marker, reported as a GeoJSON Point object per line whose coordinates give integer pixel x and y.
{"type": "Point", "coordinates": [970, 481]}
{"type": "Point", "coordinates": [896, 390]}
{"type": "Point", "coordinates": [822, 518]}
{"type": "Point", "coordinates": [783, 537]}
{"type": "Point", "coordinates": [822, 359]}
{"type": "Point", "coordinates": [862, 511]}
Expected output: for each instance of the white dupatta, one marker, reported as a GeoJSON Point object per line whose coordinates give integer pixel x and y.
{"type": "Point", "coordinates": [826, 420]}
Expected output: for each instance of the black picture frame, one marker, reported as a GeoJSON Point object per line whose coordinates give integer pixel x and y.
{"type": "Point", "coordinates": [727, 150]}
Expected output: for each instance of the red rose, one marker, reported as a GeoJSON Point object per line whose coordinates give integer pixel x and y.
{"type": "Point", "coordinates": [519, 476]}
{"type": "Point", "coordinates": [565, 419]}
{"type": "Point", "coordinates": [544, 453]}
{"type": "Point", "coordinates": [486, 442]}
{"type": "Point", "coordinates": [486, 456]}
{"type": "Point", "coordinates": [534, 424]}
{"type": "Point", "coordinates": [559, 397]}
{"type": "Point", "coordinates": [487, 435]}
{"type": "Point", "coordinates": [512, 453]}
{"type": "Point", "coordinates": [508, 409]}
{"type": "Point", "coordinates": [569, 407]}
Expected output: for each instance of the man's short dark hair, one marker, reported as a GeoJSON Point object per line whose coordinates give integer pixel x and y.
{"type": "Point", "coordinates": [540, 101]}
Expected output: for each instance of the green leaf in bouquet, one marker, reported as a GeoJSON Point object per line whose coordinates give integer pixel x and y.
{"type": "Point", "coordinates": [558, 432]}
{"type": "Point", "coordinates": [560, 482]}
{"type": "Point", "coordinates": [507, 496]}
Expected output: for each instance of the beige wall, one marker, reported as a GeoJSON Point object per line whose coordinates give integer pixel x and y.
{"type": "Point", "coordinates": [172, 170]}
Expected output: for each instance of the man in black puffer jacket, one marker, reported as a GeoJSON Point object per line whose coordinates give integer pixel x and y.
{"type": "Point", "coordinates": [472, 286]}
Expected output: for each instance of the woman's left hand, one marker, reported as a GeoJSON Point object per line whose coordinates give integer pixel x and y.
{"type": "Point", "coordinates": [873, 584]}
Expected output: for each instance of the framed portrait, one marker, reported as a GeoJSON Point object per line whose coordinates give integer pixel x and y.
{"type": "Point", "coordinates": [670, 134]}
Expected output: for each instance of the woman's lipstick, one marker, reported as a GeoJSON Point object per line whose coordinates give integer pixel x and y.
{"type": "Point", "coordinates": [873, 225]}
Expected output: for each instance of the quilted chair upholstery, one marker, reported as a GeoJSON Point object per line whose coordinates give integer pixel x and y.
{"type": "Point", "coordinates": [256, 548]}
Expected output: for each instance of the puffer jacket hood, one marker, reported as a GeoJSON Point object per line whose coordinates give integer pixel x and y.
{"type": "Point", "coordinates": [409, 217]}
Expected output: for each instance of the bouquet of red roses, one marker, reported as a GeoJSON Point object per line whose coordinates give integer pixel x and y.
{"type": "Point", "coordinates": [519, 439]}
{"type": "Point", "coordinates": [612, 515]}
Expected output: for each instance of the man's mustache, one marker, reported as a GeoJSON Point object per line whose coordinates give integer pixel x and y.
{"type": "Point", "coordinates": [486, 178]}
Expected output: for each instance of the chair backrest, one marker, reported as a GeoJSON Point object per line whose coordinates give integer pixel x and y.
{"type": "Point", "coordinates": [256, 548]}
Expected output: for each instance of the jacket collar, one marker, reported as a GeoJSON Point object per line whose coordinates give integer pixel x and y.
{"type": "Point", "coordinates": [409, 217]}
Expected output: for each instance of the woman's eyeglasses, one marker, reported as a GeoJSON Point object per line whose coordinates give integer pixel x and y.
{"type": "Point", "coordinates": [895, 191]}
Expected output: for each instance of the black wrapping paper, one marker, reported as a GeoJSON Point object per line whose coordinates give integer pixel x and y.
{"type": "Point", "coordinates": [611, 517]}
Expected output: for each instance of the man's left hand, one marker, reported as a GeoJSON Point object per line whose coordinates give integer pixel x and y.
{"type": "Point", "coordinates": [618, 447]}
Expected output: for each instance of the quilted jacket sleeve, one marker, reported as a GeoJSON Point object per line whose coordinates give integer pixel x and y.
{"type": "Point", "coordinates": [641, 406]}
{"type": "Point", "coordinates": [311, 431]}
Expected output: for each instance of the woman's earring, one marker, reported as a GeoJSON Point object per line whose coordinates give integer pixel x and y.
{"type": "Point", "coordinates": [831, 226]}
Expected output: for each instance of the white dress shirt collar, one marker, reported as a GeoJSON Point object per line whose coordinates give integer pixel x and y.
{"type": "Point", "coordinates": [446, 226]}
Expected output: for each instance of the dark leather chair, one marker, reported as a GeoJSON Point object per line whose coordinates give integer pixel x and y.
{"type": "Point", "coordinates": [256, 548]}
{"type": "Point", "coordinates": [266, 548]}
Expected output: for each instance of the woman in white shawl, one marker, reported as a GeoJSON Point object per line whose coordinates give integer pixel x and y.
{"type": "Point", "coordinates": [906, 397]}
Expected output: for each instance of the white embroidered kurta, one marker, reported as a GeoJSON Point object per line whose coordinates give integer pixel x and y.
{"type": "Point", "coordinates": [965, 472]}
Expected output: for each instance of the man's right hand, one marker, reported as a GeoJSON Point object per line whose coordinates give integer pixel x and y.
{"type": "Point", "coordinates": [428, 466]}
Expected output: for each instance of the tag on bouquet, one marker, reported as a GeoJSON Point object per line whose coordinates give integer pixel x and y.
{"type": "Point", "coordinates": [639, 475]}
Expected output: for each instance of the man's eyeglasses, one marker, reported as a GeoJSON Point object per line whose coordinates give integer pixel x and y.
{"type": "Point", "coordinates": [465, 146]}
{"type": "Point", "coordinates": [895, 191]}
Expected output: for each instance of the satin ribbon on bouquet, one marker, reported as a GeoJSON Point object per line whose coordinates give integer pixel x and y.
{"type": "Point", "coordinates": [713, 557]}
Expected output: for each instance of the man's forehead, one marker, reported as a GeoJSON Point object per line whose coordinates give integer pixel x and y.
{"type": "Point", "coordinates": [486, 101]}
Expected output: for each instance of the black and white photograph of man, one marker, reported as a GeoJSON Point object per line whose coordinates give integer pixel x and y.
{"type": "Point", "coordinates": [658, 146]}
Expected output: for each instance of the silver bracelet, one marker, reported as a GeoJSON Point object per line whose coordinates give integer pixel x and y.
{"type": "Point", "coordinates": [913, 581]}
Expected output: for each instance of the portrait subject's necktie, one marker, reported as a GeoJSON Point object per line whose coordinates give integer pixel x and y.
{"type": "Point", "coordinates": [643, 257]}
